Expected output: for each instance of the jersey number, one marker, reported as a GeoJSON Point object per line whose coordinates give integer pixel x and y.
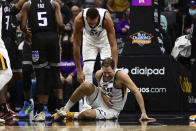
{"type": "Point", "coordinates": [42, 20]}
{"type": "Point", "coordinates": [7, 22]}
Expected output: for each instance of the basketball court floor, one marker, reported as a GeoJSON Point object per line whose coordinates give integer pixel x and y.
{"type": "Point", "coordinates": [126, 122]}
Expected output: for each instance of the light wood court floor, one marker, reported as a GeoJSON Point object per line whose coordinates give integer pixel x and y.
{"type": "Point", "coordinates": [126, 122]}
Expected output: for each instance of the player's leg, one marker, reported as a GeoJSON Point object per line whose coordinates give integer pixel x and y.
{"type": "Point", "coordinates": [5, 71]}
{"type": "Point", "coordinates": [89, 53]}
{"type": "Point", "coordinates": [85, 89]}
{"type": "Point", "coordinates": [105, 51]}
{"type": "Point", "coordinates": [27, 70]}
{"type": "Point", "coordinates": [15, 57]}
{"type": "Point", "coordinates": [40, 65]}
{"type": "Point", "coordinates": [54, 63]}
{"type": "Point", "coordinates": [5, 76]}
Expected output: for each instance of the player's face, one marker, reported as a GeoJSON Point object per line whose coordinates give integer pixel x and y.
{"type": "Point", "coordinates": [92, 22]}
{"type": "Point", "coordinates": [108, 73]}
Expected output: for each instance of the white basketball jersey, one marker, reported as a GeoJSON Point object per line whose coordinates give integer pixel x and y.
{"type": "Point", "coordinates": [117, 95]}
{"type": "Point", "coordinates": [97, 34]}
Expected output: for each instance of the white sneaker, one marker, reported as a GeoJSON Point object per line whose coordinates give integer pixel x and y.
{"type": "Point", "coordinates": [2, 120]}
{"type": "Point", "coordinates": [60, 115]}
{"type": "Point", "coordinates": [39, 117]}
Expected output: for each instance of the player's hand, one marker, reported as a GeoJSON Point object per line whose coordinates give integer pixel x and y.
{"type": "Point", "coordinates": [62, 79]}
{"type": "Point", "coordinates": [69, 79]}
{"type": "Point", "coordinates": [28, 37]}
{"type": "Point", "coordinates": [124, 30]}
{"type": "Point", "coordinates": [144, 117]}
{"type": "Point", "coordinates": [80, 77]}
{"type": "Point", "coordinates": [107, 101]}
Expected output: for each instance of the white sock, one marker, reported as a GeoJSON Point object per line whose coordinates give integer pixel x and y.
{"type": "Point", "coordinates": [76, 114]}
{"type": "Point", "coordinates": [69, 105]}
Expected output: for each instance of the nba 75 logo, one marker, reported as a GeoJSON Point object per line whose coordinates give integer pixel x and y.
{"type": "Point", "coordinates": [141, 38]}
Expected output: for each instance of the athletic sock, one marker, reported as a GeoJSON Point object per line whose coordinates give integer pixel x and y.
{"type": "Point", "coordinates": [76, 114]}
{"type": "Point", "coordinates": [69, 105]}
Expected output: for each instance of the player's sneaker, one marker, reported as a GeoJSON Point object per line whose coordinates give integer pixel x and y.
{"type": "Point", "coordinates": [60, 115]}
{"type": "Point", "coordinates": [47, 114]}
{"type": "Point", "coordinates": [28, 107]}
{"type": "Point", "coordinates": [6, 116]}
{"type": "Point", "coordinates": [192, 117]}
{"type": "Point", "coordinates": [11, 111]}
{"type": "Point", "coordinates": [69, 122]}
{"type": "Point", "coordinates": [71, 115]}
{"type": "Point", "coordinates": [39, 117]}
{"type": "Point", "coordinates": [2, 120]}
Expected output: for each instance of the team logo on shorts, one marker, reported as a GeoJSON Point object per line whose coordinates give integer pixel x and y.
{"type": "Point", "coordinates": [35, 56]}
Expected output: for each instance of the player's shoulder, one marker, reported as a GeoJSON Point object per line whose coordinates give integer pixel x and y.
{"type": "Point", "coordinates": [101, 9]}
{"type": "Point", "coordinates": [121, 73]}
{"type": "Point", "coordinates": [26, 4]}
{"type": "Point", "coordinates": [55, 3]}
{"type": "Point", "coordinates": [78, 18]}
{"type": "Point", "coordinates": [98, 73]}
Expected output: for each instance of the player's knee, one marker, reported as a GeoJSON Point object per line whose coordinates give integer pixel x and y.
{"type": "Point", "coordinates": [88, 114]}
{"type": "Point", "coordinates": [87, 88]}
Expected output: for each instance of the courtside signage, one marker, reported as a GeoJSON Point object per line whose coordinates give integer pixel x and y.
{"type": "Point", "coordinates": [141, 38]}
{"type": "Point", "coordinates": [141, 2]}
{"type": "Point", "coordinates": [148, 71]}
{"type": "Point", "coordinates": [152, 90]}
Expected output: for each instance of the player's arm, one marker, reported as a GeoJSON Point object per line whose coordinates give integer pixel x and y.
{"type": "Point", "coordinates": [18, 6]}
{"type": "Point", "coordinates": [127, 82]}
{"type": "Point", "coordinates": [98, 77]}
{"type": "Point", "coordinates": [24, 17]}
{"type": "Point", "coordinates": [106, 99]}
{"type": "Point", "coordinates": [109, 5]}
{"type": "Point", "coordinates": [109, 26]}
{"type": "Point", "coordinates": [58, 14]}
{"type": "Point", "coordinates": [77, 39]}
{"type": "Point", "coordinates": [23, 23]}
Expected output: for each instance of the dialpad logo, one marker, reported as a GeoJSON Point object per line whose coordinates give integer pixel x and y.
{"type": "Point", "coordinates": [141, 38]}
{"type": "Point", "coordinates": [147, 71]}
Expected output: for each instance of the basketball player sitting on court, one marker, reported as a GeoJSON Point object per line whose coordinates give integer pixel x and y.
{"type": "Point", "coordinates": [106, 100]}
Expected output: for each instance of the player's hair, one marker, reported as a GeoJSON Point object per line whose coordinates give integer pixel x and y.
{"type": "Point", "coordinates": [107, 62]}
{"type": "Point", "coordinates": [92, 13]}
